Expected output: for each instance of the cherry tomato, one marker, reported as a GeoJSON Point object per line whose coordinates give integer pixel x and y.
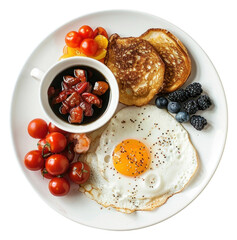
{"type": "Point", "coordinates": [37, 128]}
{"type": "Point", "coordinates": [89, 46]}
{"type": "Point", "coordinates": [56, 164]}
{"type": "Point", "coordinates": [43, 146]}
{"type": "Point", "coordinates": [100, 31]}
{"type": "Point", "coordinates": [79, 172]}
{"type": "Point", "coordinates": [85, 32]}
{"type": "Point", "coordinates": [54, 128]}
{"type": "Point", "coordinates": [59, 186]}
{"type": "Point", "coordinates": [69, 152]}
{"type": "Point", "coordinates": [33, 160]}
{"type": "Point", "coordinates": [57, 142]}
{"type": "Point", "coordinates": [73, 39]}
{"type": "Point", "coordinates": [46, 174]}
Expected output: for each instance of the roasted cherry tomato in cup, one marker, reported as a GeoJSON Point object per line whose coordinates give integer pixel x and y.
{"type": "Point", "coordinates": [56, 164]}
{"type": "Point", "coordinates": [57, 142]}
{"type": "Point", "coordinates": [91, 98]}
{"type": "Point", "coordinates": [59, 186]}
{"type": "Point", "coordinates": [38, 128]}
{"type": "Point", "coordinates": [100, 31]}
{"type": "Point", "coordinates": [54, 128]}
{"type": "Point", "coordinates": [79, 172]}
{"type": "Point", "coordinates": [89, 46]}
{"type": "Point", "coordinates": [73, 39]}
{"type": "Point", "coordinates": [100, 88]}
{"type": "Point", "coordinates": [33, 160]}
{"type": "Point", "coordinates": [85, 31]}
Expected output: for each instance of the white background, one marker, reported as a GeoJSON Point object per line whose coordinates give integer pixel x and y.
{"type": "Point", "coordinates": [24, 24]}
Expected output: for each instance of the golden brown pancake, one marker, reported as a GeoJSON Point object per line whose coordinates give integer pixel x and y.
{"type": "Point", "coordinates": [138, 68]}
{"type": "Point", "coordinates": [174, 55]}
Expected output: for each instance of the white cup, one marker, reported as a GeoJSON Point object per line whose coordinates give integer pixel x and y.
{"type": "Point", "coordinates": [47, 78]}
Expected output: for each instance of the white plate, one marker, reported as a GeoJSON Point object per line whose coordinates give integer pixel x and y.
{"type": "Point", "coordinates": [209, 143]}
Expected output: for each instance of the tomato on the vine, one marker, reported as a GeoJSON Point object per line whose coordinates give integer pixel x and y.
{"type": "Point", "coordinates": [85, 31]}
{"type": "Point", "coordinates": [79, 172]}
{"type": "Point", "coordinates": [54, 128]}
{"type": "Point", "coordinates": [33, 160]}
{"type": "Point", "coordinates": [56, 164]}
{"type": "Point", "coordinates": [89, 46]}
{"type": "Point", "coordinates": [57, 142]}
{"type": "Point", "coordinates": [73, 39]}
{"type": "Point", "coordinates": [46, 174]}
{"type": "Point", "coordinates": [43, 146]}
{"type": "Point", "coordinates": [59, 186]}
{"type": "Point", "coordinates": [38, 128]}
{"type": "Point", "coordinates": [69, 152]}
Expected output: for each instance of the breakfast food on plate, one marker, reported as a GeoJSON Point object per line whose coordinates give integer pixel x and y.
{"type": "Point", "coordinates": [55, 156]}
{"type": "Point", "coordinates": [137, 67]}
{"type": "Point", "coordinates": [142, 158]}
{"type": "Point", "coordinates": [174, 55]}
{"type": "Point", "coordinates": [79, 95]}
{"type": "Point", "coordinates": [186, 102]}
{"type": "Point", "coordinates": [86, 42]}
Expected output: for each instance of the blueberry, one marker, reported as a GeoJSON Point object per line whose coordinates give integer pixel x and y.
{"type": "Point", "coordinates": [174, 107]}
{"type": "Point", "coordinates": [182, 117]}
{"type": "Point", "coordinates": [161, 102]}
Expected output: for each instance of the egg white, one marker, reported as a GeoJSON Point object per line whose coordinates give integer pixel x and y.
{"type": "Point", "coordinates": [174, 160]}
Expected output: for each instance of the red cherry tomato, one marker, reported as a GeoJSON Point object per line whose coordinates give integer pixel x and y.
{"type": "Point", "coordinates": [37, 128]}
{"type": "Point", "coordinates": [46, 174]}
{"type": "Point", "coordinates": [85, 32]}
{"type": "Point", "coordinates": [73, 39]}
{"type": "Point", "coordinates": [59, 186]}
{"type": "Point", "coordinates": [100, 31]}
{"type": "Point", "coordinates": [79, 172]}
{"type": "Point", "coordinates": [43, 146]}
{"type": "Point", "coordinates": [57, 142]}
{"type": "Point", "coordinates": [33, 160]}
{"type": "Point", "coordinates": [89, 47]}
{"type": "Point", "coordinates": [54, 128]}
{"type": "Point", "coordinates": [56, 164]}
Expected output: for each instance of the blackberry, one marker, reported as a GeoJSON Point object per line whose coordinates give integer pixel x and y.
{"type": "Point", "coordinates": [178, 96]}
{"type": "Point", "coordinates": [191, 107]}
{"type": "Point", "coordinates": [204, 102]}
{"type": "Point", "coordinates": [198, 122]}
{"type": "Point", "coordinates": [194, 89]}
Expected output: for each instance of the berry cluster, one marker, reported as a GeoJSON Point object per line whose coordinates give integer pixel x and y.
{"type": "Point", "coordinates": [186, 102]}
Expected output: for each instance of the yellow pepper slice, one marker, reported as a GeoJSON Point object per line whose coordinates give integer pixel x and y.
{"type": "Point", "coordinates": [75, 52]}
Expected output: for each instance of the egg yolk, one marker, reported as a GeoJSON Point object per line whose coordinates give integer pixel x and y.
{"type": "Point", "coordinates": [131, 157]}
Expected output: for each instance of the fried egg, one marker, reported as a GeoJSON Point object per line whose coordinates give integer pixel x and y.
{"type": "Point", "coordinates": [140, 159]}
